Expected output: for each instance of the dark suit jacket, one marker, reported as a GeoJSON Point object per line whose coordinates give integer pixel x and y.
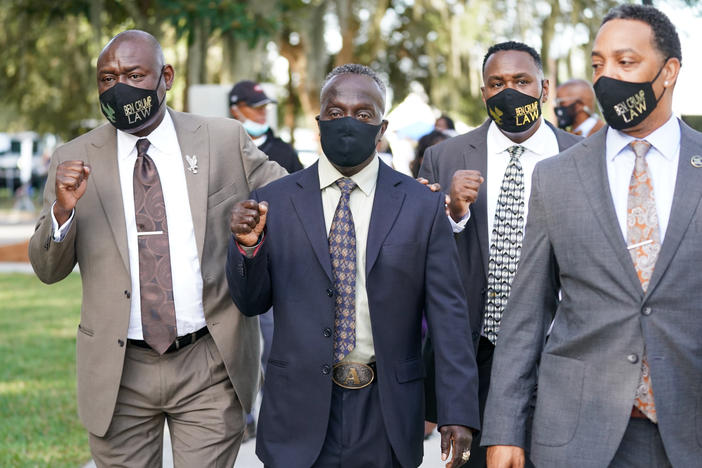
{"type": "Point", "coordinates": [590, 366]}
{"type": "Point", "coordinates": [411, 266]}
{"type": "Point", "coordinates": [230, 166]}
{"type": "Point", "coordinates": [469, 151]}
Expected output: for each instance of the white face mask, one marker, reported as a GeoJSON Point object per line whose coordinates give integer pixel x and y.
{"type": "Point", "coordinates": [255, 129]}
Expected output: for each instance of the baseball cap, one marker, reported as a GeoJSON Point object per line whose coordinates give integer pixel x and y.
{"type": "Point", "coordinates": [250, 93]}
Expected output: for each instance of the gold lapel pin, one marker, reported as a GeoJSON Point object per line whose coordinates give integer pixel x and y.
{"type": "Point", "coordinates": [696, 161]}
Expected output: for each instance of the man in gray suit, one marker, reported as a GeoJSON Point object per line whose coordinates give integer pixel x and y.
{"type": "Point", "coordinates": [615, 223]}
{"type": "Point", "coordinates": [141, 204]}
{"type": "Point", "coordinates": [474, 166]}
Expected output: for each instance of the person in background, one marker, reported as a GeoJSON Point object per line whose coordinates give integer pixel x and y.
{"type": "Point", "coordinates": [575, 108]}
{"type": "Point", "coordinates": [488, 175]}
{"type": "Point", "coordinates": [445, 124]}
{"type": "Point", "coordinates": [247, 104]}
{"type": "Point", "coordinates": [430, 139]}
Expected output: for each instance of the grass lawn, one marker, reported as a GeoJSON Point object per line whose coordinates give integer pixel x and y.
{"type": "Point", "coordinates": [38, 417]}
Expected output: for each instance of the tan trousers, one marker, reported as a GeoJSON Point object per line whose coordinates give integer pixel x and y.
{"type": "Point", "coordinates": [190, 389]}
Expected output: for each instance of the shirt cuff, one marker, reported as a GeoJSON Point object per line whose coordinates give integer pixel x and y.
{"type": "Point", "coordinates": [250, 251]}
{"type": "Point", "coordinates": [59, 232]}
{"type": "Point", "coordinates": [459, 226]}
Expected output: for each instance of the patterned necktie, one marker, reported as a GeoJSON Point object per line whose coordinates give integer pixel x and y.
{"type": "Point", "coordinates": [158, 320]}
{"type": "Point", "coordinates": [506, 245]}
{"type": "Point", "coordinates": [644, 243]}
{"type": "Point", "coordinates": [342, 250]}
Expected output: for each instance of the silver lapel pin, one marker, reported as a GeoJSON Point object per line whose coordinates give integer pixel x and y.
{"type": "Point", "coordinates": [696, 160]}
{"type": "Point", "coordinates": [192, 163]}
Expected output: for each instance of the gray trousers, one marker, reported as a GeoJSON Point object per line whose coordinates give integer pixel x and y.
{"type": "Point", "coordinates": [641, 447]}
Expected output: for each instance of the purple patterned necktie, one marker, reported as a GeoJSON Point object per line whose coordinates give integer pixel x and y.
{"type": "Point", "coordinates": [158, 320]}
{"type": "Point", "coordinates": [644, 241]}
{"type": "Point", "coordinates": [342, 250]}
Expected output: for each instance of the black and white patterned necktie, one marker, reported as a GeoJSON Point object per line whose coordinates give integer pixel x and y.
{"type": "Point", "coordinates": [506, 245]}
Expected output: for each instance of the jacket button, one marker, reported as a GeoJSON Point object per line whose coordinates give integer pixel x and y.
{"type": "Point", "coordinates": [326, 369]}
{"type": "Point", "coordinates": [120, 343]}
{"type": "Point", "coordinates": [647, 311]}
{"type": "Point", "coordinates": [127, 294]}
{"type": "Point", "coordinates": [327, 332]}
{"type": "Point", "coordinates": [632, 358]}
{"type": "Point", "coordinates": [330, 292]}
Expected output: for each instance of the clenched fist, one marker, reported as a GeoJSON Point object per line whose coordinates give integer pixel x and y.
{"type": "Point", "coordinates": [464, 191]}
{"type": "Point", "coordinates": [71, 183]}
{"type": "Point", "coordinates": [247, 221]}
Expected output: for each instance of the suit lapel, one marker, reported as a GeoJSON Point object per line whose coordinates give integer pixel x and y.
{"type": "Point", "coordinates": [592, 168]}
{"type": "Point", "coordinates": [193, 141]}
{"type": "Point", "coordinates": [475, 157]}
{"type": "Point", "coordinates": [386, 206]}
{"type": "Point", "coordinates": [308, 206]}
{"type": "Point", "coordinates": [686, 198]}
{"type": "Point", "coordinates": [102, 156]}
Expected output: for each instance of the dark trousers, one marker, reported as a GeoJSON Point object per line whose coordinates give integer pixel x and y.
{"type": "Point", "coordinates": [641, 447]}
{"type": "Point", "coordinates": [356, 436]}
{"type": "Point", "coordinates": [484, 360]}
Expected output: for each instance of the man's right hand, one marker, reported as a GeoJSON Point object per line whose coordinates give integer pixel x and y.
{"type": "Point", "coordinates": [247, 221]}
{"type": "Point", "coordinates": [464, 191]}
{"type": "Point", "coordinates": [505, 456]}
{"type": "Point", "coordinates": [71, 183]}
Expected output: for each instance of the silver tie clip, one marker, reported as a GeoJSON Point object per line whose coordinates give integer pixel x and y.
{"type": "Point", "coordinates": [640, 244]}
{"type": "Point", "coordinates": [149, 233]}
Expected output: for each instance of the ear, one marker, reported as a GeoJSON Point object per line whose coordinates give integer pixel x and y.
{"type": "Point", "coordinates": [234, 111]}
{"type": "Point", "coordinates": [545, 86]}
{"type": "Point", "coordinates": [383, 127]}
{"type": "Point", "coordinates": [482, 93]}
{"type": "Point", "coordinates": [168, 76]}
{"type": "Point", "coordinates": [670, 72]}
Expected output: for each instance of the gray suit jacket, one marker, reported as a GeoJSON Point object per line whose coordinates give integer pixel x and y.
{"type": "Point", "coordinates": [230, 166]}
{"type": "Point", "coordinates": [589, 367]}
{"type": "Point", "coordinates": [469, 151]}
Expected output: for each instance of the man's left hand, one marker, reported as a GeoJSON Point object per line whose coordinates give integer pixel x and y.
{"type": "Point", "coordinates": [459, 439]}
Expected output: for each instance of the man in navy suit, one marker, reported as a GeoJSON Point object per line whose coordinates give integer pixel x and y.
{"type": "Point", "coordinates": [351, 254]}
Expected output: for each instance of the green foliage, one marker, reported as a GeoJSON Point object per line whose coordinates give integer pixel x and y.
{"type": "Point", "coordinates": [38, 416]}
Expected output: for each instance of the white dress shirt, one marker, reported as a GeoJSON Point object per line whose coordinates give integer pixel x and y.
{"type": "Point", "coordinates": [662, 159]}
{"type": "Point", "coordinates": [541, 145]}
{"type": "Point", "coordinates": [361, 205]}
{"type": "Point", "coordinates": [185, 264]}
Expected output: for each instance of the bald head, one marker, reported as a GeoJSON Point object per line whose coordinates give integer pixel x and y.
{"type": "Point", "coordinates": [576, 90]}
{"type": "Point", "coordinates": [137, 38]}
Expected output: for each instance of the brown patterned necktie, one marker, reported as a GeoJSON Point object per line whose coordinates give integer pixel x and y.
{"type": "Point", "coordinates": [644, 242]}
{"type": "Point", "coordinates": [158, 319]}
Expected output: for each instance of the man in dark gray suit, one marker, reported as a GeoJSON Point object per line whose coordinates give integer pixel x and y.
{"type": "Point", "coordinates": [615, 223]}
{"type": "Point", "coordinates": [475, 166]}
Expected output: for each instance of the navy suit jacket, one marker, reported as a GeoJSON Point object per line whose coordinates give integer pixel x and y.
{"type": "Point", "coordinates": [411, 266]}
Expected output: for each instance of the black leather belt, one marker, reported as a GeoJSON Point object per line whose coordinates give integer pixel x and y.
{"type": "Point", "coordinates": [353, 375]}
{"type": "Point", "coordinates": [179, 343]}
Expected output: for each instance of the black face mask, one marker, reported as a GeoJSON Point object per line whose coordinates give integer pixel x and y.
{"type": "Point", "coordinates": [347, 142]}
{"type": "Point", "coordinates": [512, 111]}
{"type": "Point", "coordinates": [565, 115]}
{"type": "Point", "coordinates": [625, 104]}
{"type": "Point", "coordinates": [128, 107]}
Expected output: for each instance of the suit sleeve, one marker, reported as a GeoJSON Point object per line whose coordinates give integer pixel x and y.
{"type": "Point", "coordinates": [52, 261]}
{"type": "Point", "coordinates": [427, 169]}
{"type": "Point", "coordinates": [249, 278]}
{"type": "Point", "coordinates": [258, 169]}
{"type": "Point", "coordinates": [531, 307]}
{"type": "Point", "coordinates": [445, 307]}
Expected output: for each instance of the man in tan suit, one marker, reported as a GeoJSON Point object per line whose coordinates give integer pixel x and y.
{"type": "Point", "coordinates": [141, 205]}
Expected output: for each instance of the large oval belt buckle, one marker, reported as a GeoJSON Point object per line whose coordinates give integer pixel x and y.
{"type": "Point", "coordinates": [352, 375]}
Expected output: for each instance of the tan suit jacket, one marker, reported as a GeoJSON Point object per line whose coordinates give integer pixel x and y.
{"type": "Point", "coordinates": [229, 167]}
